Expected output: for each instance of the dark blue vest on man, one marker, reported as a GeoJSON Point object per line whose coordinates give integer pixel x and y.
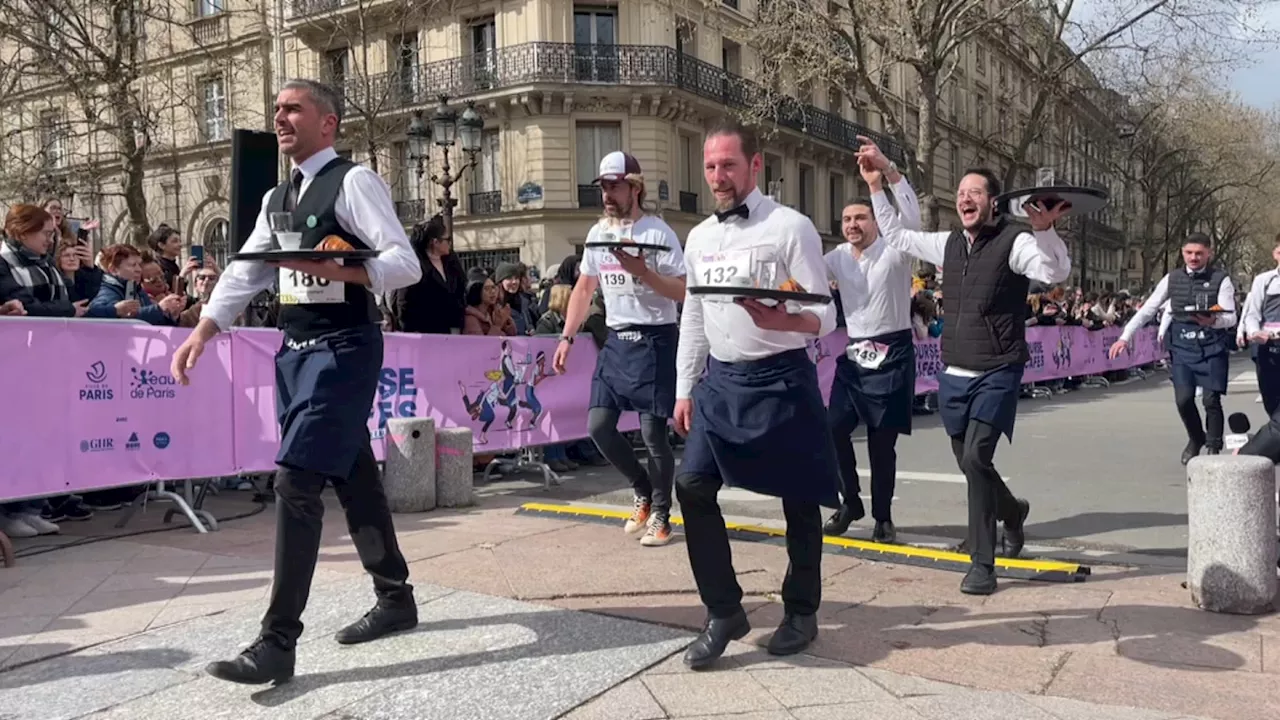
{"type": "Point", "coordinates": [1267, 355]}
{"type": "Point", "coordinates": [1199, 354]}
{"type": "Point", "coordinates": [327, 371]}
{"type": "Point", "coordinates": [985, 331]}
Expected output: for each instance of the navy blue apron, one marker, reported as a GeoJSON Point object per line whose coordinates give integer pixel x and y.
{"type": "Point", "coordinates": [1266, 356]}
{"type": "Point", "coordinates": [636, 370]}
{"type": "Point", "coordinates": [991, 397]}
{"type": "Point", "coordinates": [880, 397]}
{"type": "Point", "coordinates": [1198, 356]}
{"type": "Point", "coordinates": [324, 394]}
{"type": "Point", "coordinates": [760, 425]}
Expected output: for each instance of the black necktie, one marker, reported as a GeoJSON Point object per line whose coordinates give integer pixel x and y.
{"type": "Point", "coordinates": [741, 211]}
{"type": "Point", "coordinates": [295, 189]}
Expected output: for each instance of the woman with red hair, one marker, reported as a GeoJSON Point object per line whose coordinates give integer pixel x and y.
{"type": "Point", "coordinates": [26, 277]}
{"type": "Point", "coordinates": [121, 294]}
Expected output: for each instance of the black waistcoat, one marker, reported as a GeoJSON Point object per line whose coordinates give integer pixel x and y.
{"type": "Point", "coordinates": [985, 300]}
{"type": "Point", "coordinates": [1190, 342]}
{"type": "Point", "coordinates": [316, 219]}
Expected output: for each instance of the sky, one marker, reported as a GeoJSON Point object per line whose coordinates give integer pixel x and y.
{"type": "Point", "coordinates": [1258, 84]}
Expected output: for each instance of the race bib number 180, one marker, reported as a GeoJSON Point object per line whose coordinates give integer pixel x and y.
{"type": "Point", "coordinates": [301, 289]}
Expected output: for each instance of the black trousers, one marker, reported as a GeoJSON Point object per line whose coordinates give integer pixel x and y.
{"type": "Point", "coordinates": [883, 457]}
{"type": "Point", "coordinates": [299, 511]}
{"type": "Point", "coordinates": [989, 497]}
{"type": "Point", "coordinates": [1267, 364]}
{"type": "Point", "coordinates": [710, 558]}
{"type": "Point", "coordinates": [653, 483]}
{"type": "Point", "coordinates": [1184, 396]}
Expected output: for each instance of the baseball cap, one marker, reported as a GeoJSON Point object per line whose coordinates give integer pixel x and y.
{"type": "Point", "coordinates": [617, 165]}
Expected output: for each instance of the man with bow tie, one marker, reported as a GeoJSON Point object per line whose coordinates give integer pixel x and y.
{"type": "Point", "coordinates": [1201, 301]}
{"type": "Point", "coordinates": [756, 419]}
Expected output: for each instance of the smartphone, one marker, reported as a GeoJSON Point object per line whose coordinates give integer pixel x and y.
{"type": "Point", "coordinates": [197, 254]}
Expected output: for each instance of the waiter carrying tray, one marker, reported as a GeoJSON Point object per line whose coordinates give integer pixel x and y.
{"type": "Point", "coordinates": [326, 373]}
{"type": "Point", "coordinates": [1260, 325]}
{"type": "Point", "coordinates": [1200, 300]}
{"type": "Point", "coordinates": [636, 368]}
{"type": "Point", "coordinates": [988, 265]}
{"type": "Point", "coordinates": [876, 377]}
{"type": "Point", "coordinates": [756, 419]}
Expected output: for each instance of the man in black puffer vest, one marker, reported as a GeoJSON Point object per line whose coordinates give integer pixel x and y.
{"type": "Point", "coordinates": [1202, 301]}
{"type": "Point", "coordinates": [986, 267]}
{"type": "Point", "coordinates": [326, 373]}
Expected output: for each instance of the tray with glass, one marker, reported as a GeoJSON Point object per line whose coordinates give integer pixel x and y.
{"type": "Point", "coordinates": [726, 283]}
{"type": "Point", "coordinates": [285, 242]}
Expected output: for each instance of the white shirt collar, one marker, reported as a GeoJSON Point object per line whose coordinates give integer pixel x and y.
{"type": "Point", "coordinates": [316, 162]}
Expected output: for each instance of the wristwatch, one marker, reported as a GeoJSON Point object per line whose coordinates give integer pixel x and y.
{"type": "Point", "coordinates": [566, 339]}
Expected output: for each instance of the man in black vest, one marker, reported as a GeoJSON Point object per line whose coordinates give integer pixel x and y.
{"type": "Point", "coordinates": [986, 271]}
{"type": "Point", "coordinates": [1260, 326]}
{"type": "Point", "coordinates": [326, 374]}
{"type": "Point", "coordinates": [1201, 300]}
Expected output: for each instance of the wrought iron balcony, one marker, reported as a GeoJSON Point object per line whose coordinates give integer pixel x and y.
{"type": "Point", "coordinates": [688, 202]}
{"type": "Point", "coordinates": [303, 8]}
{"type": "Point", "coordinates": [411, 211]}
{"type": "Point", "coordinates": [569, 64]}
{"type": "Point", "coordinates": [484, 203]}
{"type": "Point", "coordinates": [589, 196]}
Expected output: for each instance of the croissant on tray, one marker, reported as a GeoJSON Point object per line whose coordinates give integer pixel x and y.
{"type": "Point", "coordinates": [791, 286]}
{"type": "Point", "coordinates": [333, 243]}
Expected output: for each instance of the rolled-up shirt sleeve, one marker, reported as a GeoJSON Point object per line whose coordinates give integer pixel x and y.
{"type": "Point", "coordinates": [804, 260]}
{"type": "Point", "coordinates": [365, 209]}
{"type": "Point", "coordinates": [243, 279]}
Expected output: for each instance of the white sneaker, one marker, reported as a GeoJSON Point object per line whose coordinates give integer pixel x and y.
{"type": "Point", "coordinates": [42, 526]}
{"type": "Point", "coordinates": [15, 527]}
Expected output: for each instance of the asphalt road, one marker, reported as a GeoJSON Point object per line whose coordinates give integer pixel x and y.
{"type": "Point", "coordinates": [1100, 468]}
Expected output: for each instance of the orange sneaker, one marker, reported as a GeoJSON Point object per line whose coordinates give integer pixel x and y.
{"type": "Point", "coordinates": [659, 532]}
{"type": "Point", "coordinates": [639, 517]}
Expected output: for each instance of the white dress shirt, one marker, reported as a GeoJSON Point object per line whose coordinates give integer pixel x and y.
{"type": "Point", "coordinates": [1038, 255]}
{"type": "Point", "coordinates": [626, 300]}
{"type": "Point", "coordinates": [1159, 299]}
{"type": "Point", "coordinates": [875, 289]}
{"type": "Point", "coordinates": [1265, 285]}
{"type": "Point", "coordinates": [770, 233]}
{"type": "Point", "coordinates": [363, 208]}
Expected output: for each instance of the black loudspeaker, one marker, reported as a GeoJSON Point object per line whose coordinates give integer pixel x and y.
{"type": "Point", "coordinates": [255, 169]}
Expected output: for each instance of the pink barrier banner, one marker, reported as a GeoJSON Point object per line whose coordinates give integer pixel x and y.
{"type": "Point", "coordinates": [504, 389]}
{"type": "Point", "coordinates": [1056, 352]}
{"type": "Point", "coordinates": [94, 406]}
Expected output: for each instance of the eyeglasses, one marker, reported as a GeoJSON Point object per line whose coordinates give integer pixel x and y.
{"type": "Point", "coordinates": [206, 277]}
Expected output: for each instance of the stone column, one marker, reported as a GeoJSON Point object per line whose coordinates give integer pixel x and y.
{"type": "Point", "coordinates": [1231, 547]}
{"type": "Point", "coordinates": [410, 476]}
{"type": "Point", "coordinates": [453, 467]}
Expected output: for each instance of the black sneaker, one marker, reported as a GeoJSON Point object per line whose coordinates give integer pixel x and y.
{"type": "Point", "coordinates": [73, 510]}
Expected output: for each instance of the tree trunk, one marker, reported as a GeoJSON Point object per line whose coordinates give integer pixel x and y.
{"type": "Point", "coordinates": [926, 146]}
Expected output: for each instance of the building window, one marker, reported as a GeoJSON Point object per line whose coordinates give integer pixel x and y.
{"type": "Point", "coordinates": [53, 140]}
{"type": "Point", "coordinates": [806, 191]}
{"type": "Point", "coordinates": [687, 172]}
{"type": "Point", "coordinates": [484, 52]}
{"type": "Point", "coordinates": [335, 68]}
{"type": "Point", "coordinates": [835, 101]}
{"type": "Point", "coordinates": [214, 109]}
{"type": "Point", "coordinates": [686, 38]}
{"type": "Point", "coordinates": [595, 45]}
{"type": "Point", "coordinates": [217, 241]}
{"type": "Point", "coordinates": [980, 124]}
{"type": "Point", "coordinates": [835, 200]}
{"type": "Point", "coordinates": [593, 140]}
{"type": "Point", "coordinates": [404, 61]}
{"type": "Point", "coordinates": [980, 60]}
{"type": "Point", "coordinates": [731, 57]}
{"type": "Point", "coordinates": [773, 177]}
{"type": "Point", "coordinates": [208, 8]}
{"type": "Point", "coordinates": [409, 185]}
{"type": "Point", "coordinates": [957, 166]}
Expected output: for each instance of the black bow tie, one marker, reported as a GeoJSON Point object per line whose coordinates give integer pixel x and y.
{"type": "Point", "coordinates": [741, 211]}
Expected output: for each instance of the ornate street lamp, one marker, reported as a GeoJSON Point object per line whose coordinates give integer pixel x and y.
{"type": "Point", "coordinates": [446, 129]}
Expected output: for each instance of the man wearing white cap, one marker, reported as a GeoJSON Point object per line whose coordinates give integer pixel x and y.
{"type": "Point", "coordinates": [636, 368]}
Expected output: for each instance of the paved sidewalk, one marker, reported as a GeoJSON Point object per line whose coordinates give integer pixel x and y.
{"type": "Point", "coordinates": [528, 617]}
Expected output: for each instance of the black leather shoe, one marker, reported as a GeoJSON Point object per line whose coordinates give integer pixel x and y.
{"type": "Point", "coordinates": [1211, 450]}
{"type": "Point", "coordinates": [1192, 450]}
{"type": "Point", "coordinates": [794, 634]}
{"type": "Point", "coordinates": [715, 637]}
{"type": "Point", "coordinates": [850, 512]}
{"type": "Point", "coordinates": [1015, 536]}
{"type": "Point", "coordinates": [265, 661]}
{"type": "Point", "coordinates": [980, 580]}
{"type": "Point", "coordinates": [378, 622]}
{"type": "Point", "coordinates": [885, 532]}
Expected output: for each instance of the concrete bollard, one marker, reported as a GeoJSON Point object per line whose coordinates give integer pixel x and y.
{"type": "Point", "coordinates": [410, 477]}
{"type": "Point", "coordinates": [1231, 549]}
{"type": "Point", "coordinates": [453, 467]}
